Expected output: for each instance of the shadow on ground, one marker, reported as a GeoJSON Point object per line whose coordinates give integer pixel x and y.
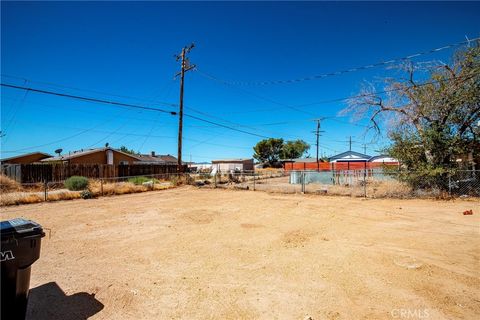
{"type": "Point", "coordinates": [48, 301]}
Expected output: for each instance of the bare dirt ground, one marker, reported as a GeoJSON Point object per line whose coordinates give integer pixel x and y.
{"type": "Point", "coordinates": [222, 254]}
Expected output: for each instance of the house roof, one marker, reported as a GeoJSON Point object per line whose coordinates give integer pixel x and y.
{"type": "Point", "coordinates": [380, 156]}
{"type": "Point", "coordinates": [25, 155]}
{"type": "Point", "coordinates": [161, 158]}
{"type": "Point", "coordinates": [76, 154]}
{"type": "Point", "coordinates": [350, 155]}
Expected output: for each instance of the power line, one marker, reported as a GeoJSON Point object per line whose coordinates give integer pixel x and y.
{"type": "Point", "coordinates": [141, 136]}
{"type": "Point", "coordinates": [211, 77]}
{"type": "Point", "coordinates": [109, 134]}
{"type": "Point", "coordinates": [364, 67]}
{"type": "Point", "coordinates": [224, 126]}
{"type": "Point", "coordinates": [254, 127]}
{"type": "Point", "coordinates": [16, 110]}
{"type": "Point", "coordinates": [65, 95]}
{"type": "Point", "coordinates": [170, 104]}
{"type": "Point", "coordinates": [346, 98]}
{"type": "Point", "coordinates": [59, 140]}
{"type": "Point", "coordinates": [124, 105]}
{"type": "Point", "coordinates": [191, 116]}
{"type": "Point", "coordinates": [103, 101]}
{"type": "Point", "coordinates": [82, 110]}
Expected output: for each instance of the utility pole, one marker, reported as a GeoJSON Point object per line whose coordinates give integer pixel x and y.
{"type": "Point", "coordinates": [317, 133]}
{"type": "Point", "coordinates": [364, 148]}
{"type": "Point", "coordinates": [185, 66]}
{"type": "Point", "coordinates": [350, 142]}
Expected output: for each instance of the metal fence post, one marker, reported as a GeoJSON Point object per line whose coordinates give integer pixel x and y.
{"type": "Point", "coordinates": [303, 181]}
{"type": "Point", "coordinates": [215, 179]}
{"type": "Point", "coordinates": [365, 183]}
{"type": "Point", "coordinates": [450, 184]}
{"type": "Point", "coordinates": [46, 190]}
{"type": "Point", "coordinates": [101, 186]}
{"type": "Point", "coordinates": [254, 181]}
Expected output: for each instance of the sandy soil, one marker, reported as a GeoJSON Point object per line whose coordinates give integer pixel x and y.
{"type": "Point", "coordinates": [222, 254]}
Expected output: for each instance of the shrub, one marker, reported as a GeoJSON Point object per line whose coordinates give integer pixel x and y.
{"type": "Point", "coordinates": [140, 180]}
{"type": "Point", "coordinates": [76, 183]}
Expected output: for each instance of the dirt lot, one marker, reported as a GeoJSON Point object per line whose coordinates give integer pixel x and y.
{"type": "Point", "coordinates": [224, 254]}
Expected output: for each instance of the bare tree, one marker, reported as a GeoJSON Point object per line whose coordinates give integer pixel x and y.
{"type": "Point", "coordinates": [448, 102]}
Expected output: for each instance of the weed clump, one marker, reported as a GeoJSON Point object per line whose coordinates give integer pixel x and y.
{"type": "Point", "coordinates": [140, 180]}
{"type": "Point", "coordinates": [8, 185]}
{"type": "Point", "coordinates": [76, 183]}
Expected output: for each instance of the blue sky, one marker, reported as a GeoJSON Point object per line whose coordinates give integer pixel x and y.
{"type": "Point", "coordinates": [124, 52]}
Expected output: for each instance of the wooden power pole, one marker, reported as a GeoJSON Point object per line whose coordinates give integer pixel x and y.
{"type": "Point", "coordinates": [185, 66]}
{"type": "Point", "coordinates": [317, 134]}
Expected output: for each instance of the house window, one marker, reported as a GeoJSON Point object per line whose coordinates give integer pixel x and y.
{"type": "Point", "coordinates": [123, 162]}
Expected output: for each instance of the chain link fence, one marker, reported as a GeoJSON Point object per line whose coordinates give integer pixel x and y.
{"type": "Point", "coordinates": [356, 183]}
{"type": "Point", "coordinates": [371, 183]}
{"type": "Point", "coordinates": [22, 193]}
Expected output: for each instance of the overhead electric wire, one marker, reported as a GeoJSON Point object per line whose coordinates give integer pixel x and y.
{"type": "Point", "coordinates": [364, 67]}
{"type": "Point", "coordinates": [171, 112]}
{"type": "Point", "coordinates": [126, 105]}
{"type": "Point", "coordinates": [170, 104]}
{"type": "Point", "coordinates": [59, 140]}
{"type": "Point", "coordinates": [224, 126]}
{"type": "Point", "coordinates": [211, 77]}
{"type": "Point", "coordinates": [13, 119]}
{"type": "Point", "coordinates": [109, 134]}
{"type": "Point", "coordinates": [65, 95]}
{"type": "Point", "coordinates": [82, 110]}
{"type": "Point", "coordinates": [371, 94]}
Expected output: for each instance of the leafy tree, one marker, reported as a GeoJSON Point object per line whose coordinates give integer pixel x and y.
{"type": "Point", "coordinates": [430, 123]}
{"type": "Point", "coordinates": [294, 149]}
{"type": "Point", "coordinates": [129, 151]}
{"type": "Point", "coordinates": [268, 151]}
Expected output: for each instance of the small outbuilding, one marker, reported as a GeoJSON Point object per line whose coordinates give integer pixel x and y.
{"type": "Point", "coordinates": [227, 165]}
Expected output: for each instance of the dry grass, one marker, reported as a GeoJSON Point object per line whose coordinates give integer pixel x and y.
{"type": "Point", "coordinates": [8, 199]}
{"type": "Point", "coordinates": [64, 195]}
{"type": "Point", "coordinates": [375, 189]}
{"type": "Point", "coordinates": [123, 188]}
{"type": "Point", "coordinates": [16, 195]}
{"type": "Point", "coordinates": [16, 198]}
{"type": "Point", "coordinates": [9, 185]}
{"type": "Point", "coordinates": [388, 189]}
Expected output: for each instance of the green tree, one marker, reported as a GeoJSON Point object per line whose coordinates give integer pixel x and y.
{"type": "Point", "coordinates": [268, 151]}
{"type": "Point", "coordinates": [129, 151]}
{"type": "Point", "coordinates": [430, 123]}
{"type": "Point", "coordinates": [294, 149]}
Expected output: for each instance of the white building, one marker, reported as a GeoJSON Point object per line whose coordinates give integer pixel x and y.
{"type": "Point", "coordinates": [227, 165]}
